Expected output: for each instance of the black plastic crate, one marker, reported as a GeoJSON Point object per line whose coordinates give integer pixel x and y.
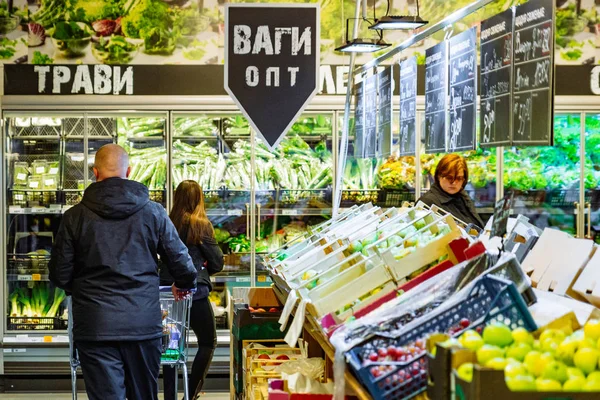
{"type": "Point", "coordinates": [531, 198]}
{"type": "Point", "coordinates": [562, 198]}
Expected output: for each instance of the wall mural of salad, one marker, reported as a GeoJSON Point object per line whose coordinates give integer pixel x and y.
{"type": "Point", "coordinates": [191, 31]}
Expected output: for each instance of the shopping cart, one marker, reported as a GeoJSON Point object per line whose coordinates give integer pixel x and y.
{"type": "Point", "coordinates": [176, 326]}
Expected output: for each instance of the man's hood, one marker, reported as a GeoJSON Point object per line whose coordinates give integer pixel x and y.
{"type": "Point", "coordinates": [115, 198]}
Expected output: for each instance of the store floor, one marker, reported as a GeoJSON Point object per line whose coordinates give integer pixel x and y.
{"type": "Point", "coordinates": [82, 396]}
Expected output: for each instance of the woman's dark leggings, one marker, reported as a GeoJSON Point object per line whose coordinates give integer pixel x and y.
{"type": "Point", "coordinates": [202, 321]}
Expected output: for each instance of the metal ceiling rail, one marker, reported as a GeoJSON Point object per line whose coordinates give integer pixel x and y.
{"type": "Point", "coordinates": [438, 26]}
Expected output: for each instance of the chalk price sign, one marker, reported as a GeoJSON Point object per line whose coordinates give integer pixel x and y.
{"type": "Point", "coordinates": [408, 106]}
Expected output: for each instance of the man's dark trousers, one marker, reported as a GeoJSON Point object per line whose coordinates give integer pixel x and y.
{"type": "Point", "coordinates": [121, 370]}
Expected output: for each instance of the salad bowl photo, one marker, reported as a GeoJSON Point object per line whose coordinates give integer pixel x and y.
{"type": "Point", "coordinates": [70, 38]}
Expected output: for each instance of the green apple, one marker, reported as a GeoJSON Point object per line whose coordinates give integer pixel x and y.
{"type": "Point", "coordinates": [498, 363]}
{"type": "Point", "coordinates": [487, 352]}
{"type": "Point", "coordinates": [548, 385]}
{"type": "Point", "coordinates": [574, 384]}
{"type": "Point", "coordinates": [472, 341]}
{"type": "Point", "coordinates": [586, 360]}
{"type": "Point", "coordinates": [577, 335]}
{"type": "Point", "coordinates": [591, 329]}
{"type": "Point", "coordinates": [518, 350]}
{"type": "Point", "coordinates": [532, 363]}
{"type": "Point", "coordinates": [566, 351]}
{"type": "Point", "coordinates": [556, 371]}
{"type": "Point", "coordinates": [497, 334]}
{"type": "Point", "coordinates": [573, 372]}
{"type": "Point", "coordinates": [594, 376]}
{"type": "Point", "coordinates": [555, 334]}
{"type": "Point", "coordinates": [536, 345]}
{"type": "Point", "coordinates": [549, 345]}
{"type": "Point", "coordinates": [513, 370]}
{"type": "Point", "coordinates": [521, 383]}
{"type": "Point", "coordinates": [465, 372]}
{"type": "Point", "coordinates": [592, 386]}
{"type": "Point", "coordinates": [521, 335]}
{"type": "Point", "coordinates": [586, 343]}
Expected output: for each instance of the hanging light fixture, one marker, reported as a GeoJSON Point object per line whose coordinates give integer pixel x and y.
{"type": "Point", "coordinates": [389, 22]}
{"type": "Point", "coordinates": [362, 45]}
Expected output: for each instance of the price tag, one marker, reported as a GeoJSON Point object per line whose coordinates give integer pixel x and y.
{"type": "Point", "coordinates": [262, 278]}
{"type": "Point", "coordinates": [24, 278]}
{"type": "Point", "coordinates": [16, 210]}
{"type": "Point", "coordinates": [36, 277]}
{"type": "Point", "coordinates": [243, 279]}
{"type": "Point", "coordinates": [19, 196]}
{"type": "Point", "coordinates": [289, 212]}
{"type": "Point", "coordinates": [8, 350]}
{"type": "Point", "coordinates": [47, 339]}
{"type": "Point", "coordinates": [234, 212]}
{"type": "Point", "coordinates": [21, 177]}
{"type": "Point", "coordinates": [54, 170]}
{"type": "Point", "coordinates": [40, 170]}
{"type": "Point", "coordinates": [49, 182]}
{"type": "Point", "coordinates": [34, 184]}
{"type": "Point", "coordinates": [19, 350]}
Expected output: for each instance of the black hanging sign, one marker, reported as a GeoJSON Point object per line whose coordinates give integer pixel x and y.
{"type": "Point", "coordinates": [359, 117]}
{"type": "Point", "coordinates": [271, 63]}
{"type": "Point", "coordinates": [501, 214]}
{"type": "Point", "coordinates": [436, 84]}
{"type": "Point", "coordinates": [495, 109]}
{"type": "Point", "coordinates": [368, 145]}
{"type": "Point", "coordinates": [462, 91]}
{"type": "Point", "coordinates": [385, 85]}
{"type": "Point", "coordinates": [408, 106]}
{"type": "Point", "coordinates": [533, 73]}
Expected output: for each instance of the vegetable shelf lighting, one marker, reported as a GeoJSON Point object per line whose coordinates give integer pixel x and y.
{"type": "Point", "coordinates": [389, 22]}
{"type": "Point", "coordinates": [362, 45]}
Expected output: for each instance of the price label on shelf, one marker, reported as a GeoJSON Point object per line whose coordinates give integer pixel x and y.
{"type": "Point", "coordinates": [8, 350]}
{"type": "Point", "coordinates": [36, 277]}
{"type": "Point", "coordinates": [243, 279]}
{"type": "Point", "coordinates": [47, 339]}
{"type": "Point", "coordinates": [234, 212]}
{"type": "Point", "coordinates": [24, 278]}
{"type": "Point", "coordinates": [19, 350]}
{"type": "Point", "coordinates": [289, 212]}
{"type": "Point", "coordinates": [16, 210]}
{"type": "Point", "coordinates": [262, 278]}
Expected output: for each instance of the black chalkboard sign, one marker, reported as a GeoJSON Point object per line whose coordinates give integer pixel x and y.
{"type": "Point", "coordinates": [533, 73]}
{"type": "Point", "coordinates": [408, 106]}
{"type": "Point", "coordinates": [436, 84]}
{"type": "Point", "coordinates": [385, 80]}
{"type": "Point", "coordinates": [359, 117]}
{"type": "Point", "coordinates": [462, 91]}
{"type": "Point", "coordinates": [501, 214]}
{"type": "Point", "coordinates": [369, 148]}
{"type": "Point", "coordinates": [495, 127]}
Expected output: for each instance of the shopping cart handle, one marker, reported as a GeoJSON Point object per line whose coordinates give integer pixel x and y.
{"type": "Point", "coordinates": [166, 289]}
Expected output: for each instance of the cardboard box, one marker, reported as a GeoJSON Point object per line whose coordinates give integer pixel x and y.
{"type": "Point", "coordinates": [551, 306]}
{"type": "Point", "coordinates": [549, 245]}
{"type": "Point", "coordinates": [588, 283]}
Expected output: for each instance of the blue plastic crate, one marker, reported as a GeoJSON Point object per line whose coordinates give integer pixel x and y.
{"type": "Point", "coordinates": [491, 299]}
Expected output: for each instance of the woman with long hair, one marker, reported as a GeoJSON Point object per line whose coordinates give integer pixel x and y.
{"type": "Point", "coordinates": [196, 231]}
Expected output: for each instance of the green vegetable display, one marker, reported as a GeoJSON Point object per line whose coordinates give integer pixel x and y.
{"type": "Point", "coordinates": [7, 48]}
{"type": "Point", "coordinates": [294, 165]}
{"type": "Point", "coordinates": [39, 58]}
{"type": "Point", "coordinates": [38, 302]}
{"type": "Point", "coordinates": [114, 50]}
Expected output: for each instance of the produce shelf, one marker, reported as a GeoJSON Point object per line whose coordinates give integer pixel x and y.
{"type": "Point", "coordinates": [27, 277]}
{"type": "Point", "coordinates": [36, 323]}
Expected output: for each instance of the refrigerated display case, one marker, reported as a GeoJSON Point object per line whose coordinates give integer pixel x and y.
{"type": "Point", "coordinates": [386, 181]}
{"type": "Point", "coordinates": [592, 177]}
{"type": "Point", "coordinates": [545, 180]}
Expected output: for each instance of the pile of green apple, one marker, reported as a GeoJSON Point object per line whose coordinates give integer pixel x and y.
{"type": "Point", "coordinates": [558, 361]}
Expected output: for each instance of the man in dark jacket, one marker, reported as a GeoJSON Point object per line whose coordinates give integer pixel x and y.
{"type": "Point", "coordinates": [105, 254]}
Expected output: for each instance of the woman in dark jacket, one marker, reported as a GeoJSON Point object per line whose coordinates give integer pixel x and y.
{"type": "Point", "coordinates": [448, 191]}
{"type": "Point", "coordinates": [196, 231]}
